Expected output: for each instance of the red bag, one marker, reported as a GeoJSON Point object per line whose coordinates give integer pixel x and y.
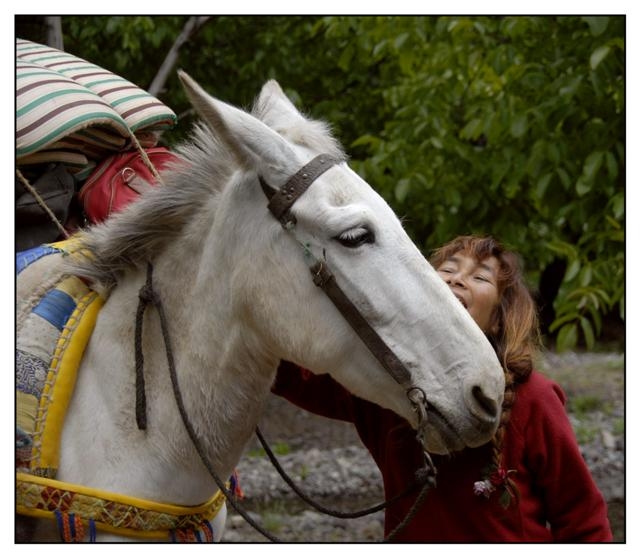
{"type": "Point", "coordinates": [119, 180]}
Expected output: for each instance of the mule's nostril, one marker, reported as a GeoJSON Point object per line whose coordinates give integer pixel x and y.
{"type": "Point", "coordinates": [487, 404]}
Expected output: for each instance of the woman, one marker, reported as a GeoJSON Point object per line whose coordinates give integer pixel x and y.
{"type": "Point", "coordinates": [531, 482]}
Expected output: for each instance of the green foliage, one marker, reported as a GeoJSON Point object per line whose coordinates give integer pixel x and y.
{"type": "Point", "coordinates": [130, 46]}
{"type": "Point", "coordinates": [279, 448]}
{"type": "Point", "coordinates": [512, 126]}
{"type": "Point", "coordinates": [584, 404]}
{"type": "Point", "coordinates": [273, 522]}
{"type": "Point", "coordinates": [618, 427]}
{"type": "Point", "coordinates": [586, 433]}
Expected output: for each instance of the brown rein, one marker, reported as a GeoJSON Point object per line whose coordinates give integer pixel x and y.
{"type": "Point", "coordinates": [147, 296]}
{"type": "Point", "coordinates": [280, 203]}
{"type": "Point", "coordinates": [424, 477]}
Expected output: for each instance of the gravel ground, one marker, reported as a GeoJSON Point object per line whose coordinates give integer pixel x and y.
{"type": "Point", "coordinates": [327, 459]}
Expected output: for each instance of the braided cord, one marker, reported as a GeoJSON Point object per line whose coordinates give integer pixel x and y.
{"type": "Point", "coordinates": [423, 477]}
{"type": "Point", "coordinates": [39, 199]}
{"type": "Point", "coordinates": [147, 295]}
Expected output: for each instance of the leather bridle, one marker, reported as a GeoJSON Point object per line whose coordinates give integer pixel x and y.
{"type": "Point", "coordinates": [280, 203]}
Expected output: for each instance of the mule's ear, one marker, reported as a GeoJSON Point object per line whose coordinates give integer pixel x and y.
{"type": "Point", "coordinates": [254, 144]}
{"type": "Point", "coordinates": [275, 109]}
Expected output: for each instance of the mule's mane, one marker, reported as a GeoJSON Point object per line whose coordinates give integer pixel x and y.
{"type": "Point", "coordinates": [130, 238]}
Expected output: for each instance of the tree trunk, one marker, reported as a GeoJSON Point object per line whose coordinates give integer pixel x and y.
{"type": "Point", "coordinates": [193, 25]}
{"type": "Point", "coordinates": [46, 30]}
{"type": "Point", "coordinates": [54, 32]}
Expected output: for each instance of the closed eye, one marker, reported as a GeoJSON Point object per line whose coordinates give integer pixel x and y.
{"type": "Point", "coordinates": [356, 237]}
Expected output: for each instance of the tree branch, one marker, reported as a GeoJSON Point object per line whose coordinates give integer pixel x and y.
{"type": "Point", "coordinates": [191, 27]}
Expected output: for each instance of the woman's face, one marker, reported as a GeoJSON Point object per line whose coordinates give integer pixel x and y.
{"type": "Point", "coordinates": [475, 284]}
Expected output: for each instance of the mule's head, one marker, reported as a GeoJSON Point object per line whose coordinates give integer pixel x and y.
{"type": "Point", "coordinates": [340, 219]}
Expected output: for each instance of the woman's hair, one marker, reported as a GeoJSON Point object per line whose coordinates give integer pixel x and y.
{"type": "Point", "coordinates": [514, 331]}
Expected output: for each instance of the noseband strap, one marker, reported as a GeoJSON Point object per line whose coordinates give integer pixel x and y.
{"type": "Point", "coordinates": [280, 202]}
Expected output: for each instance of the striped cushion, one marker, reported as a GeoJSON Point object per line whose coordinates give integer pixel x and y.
{"type": "Point", "coordinates": [75, 161]}
{"type": "Point", "coordinates": [64, 102]}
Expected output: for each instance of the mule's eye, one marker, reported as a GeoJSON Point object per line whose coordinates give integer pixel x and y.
{"type": "Point", "coordinates": [356, 237]}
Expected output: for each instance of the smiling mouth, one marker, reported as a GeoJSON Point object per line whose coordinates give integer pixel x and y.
{"type": "Point", "coordinates": [461, 300]}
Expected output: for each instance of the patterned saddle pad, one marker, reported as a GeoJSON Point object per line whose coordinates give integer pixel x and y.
{"type": "Point", "coordinates": [50, 343]}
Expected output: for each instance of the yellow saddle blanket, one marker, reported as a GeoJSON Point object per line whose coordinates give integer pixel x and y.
{"type": "Point", "coordinates": [50, 343]}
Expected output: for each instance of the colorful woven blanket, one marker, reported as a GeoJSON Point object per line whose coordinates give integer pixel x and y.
{"type": "Point", "coordinates": [49, 346]}
{"type": "Point", "coordinates": [50, 343]}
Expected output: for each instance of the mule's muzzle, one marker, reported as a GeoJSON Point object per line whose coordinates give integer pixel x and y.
{"type": "Point", "coordinates": [484, 403]}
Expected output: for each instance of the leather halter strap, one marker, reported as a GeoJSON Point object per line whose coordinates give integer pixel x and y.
{"type": "Point", "coordinates": [324, 279]}
{"type": "Point", "coordinates": [280, 202]}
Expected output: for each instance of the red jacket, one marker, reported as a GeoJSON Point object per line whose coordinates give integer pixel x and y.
{"type": "Point", "coordinates": [558, 500]}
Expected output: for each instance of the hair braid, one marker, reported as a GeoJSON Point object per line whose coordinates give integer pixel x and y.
{"type": "Point", "coordinates": [505, 416]}
{"type": "Point", "coordinates": [514, 332]}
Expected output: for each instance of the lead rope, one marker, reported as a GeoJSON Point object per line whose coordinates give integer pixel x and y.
{"type": "Point", "coordinates": [40, 201]}
{"type": "Point", "coordinates": [424, 477]}
{"type": "Point", "coordinates": [147, 295]}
